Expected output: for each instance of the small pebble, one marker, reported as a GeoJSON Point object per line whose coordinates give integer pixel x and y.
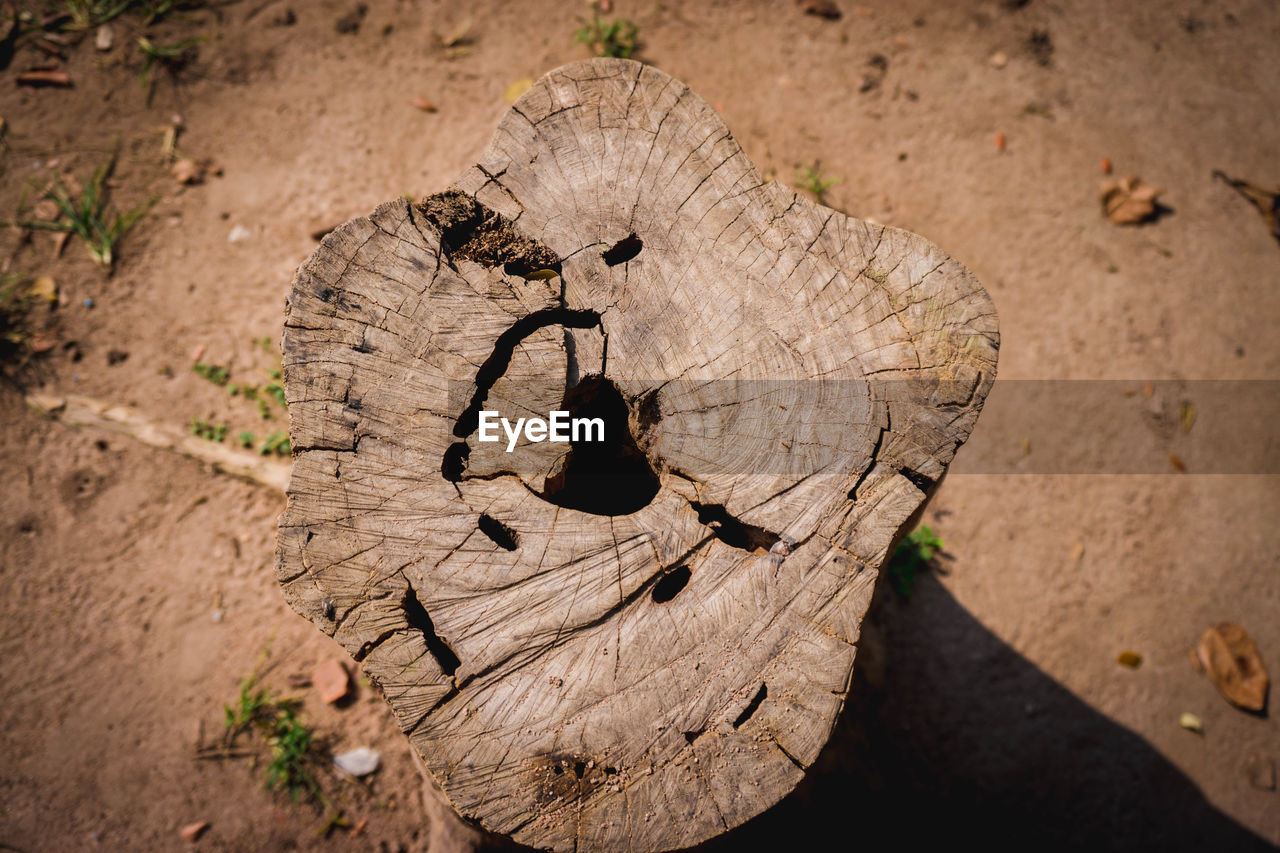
{"type": "Point", "coordinates": [88, 303]}
{"type": "Point", "coordinates": [239, 234]}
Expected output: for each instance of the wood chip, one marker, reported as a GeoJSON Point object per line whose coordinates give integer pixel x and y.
{"type": "Point", "coordinates": [40, 79]}
{"type": "Point", "coordinates": [192, 831]}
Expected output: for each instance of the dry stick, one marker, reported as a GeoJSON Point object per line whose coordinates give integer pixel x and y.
{"type": "Point", "coordinates": [126, 420]}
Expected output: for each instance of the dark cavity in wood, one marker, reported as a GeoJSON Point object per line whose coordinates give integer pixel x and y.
{"type": "Point", "coordinates": [501, 534]}
{"type": "Point", "coordinates": [470, 231]}
{"type": "Point", "coordinates": [623, 250]}
{"type": "Point", "coordinates": [732, 531]}
{"type": "Point", "coordinates": [417, 617]}
{"type": "Point", "coordinates": [610, 477]}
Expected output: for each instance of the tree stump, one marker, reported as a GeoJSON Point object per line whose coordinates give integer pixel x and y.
{"type": "Point", "coordinates": [642, 642]}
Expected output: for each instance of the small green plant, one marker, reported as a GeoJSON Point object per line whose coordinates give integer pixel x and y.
{"type": "Point", "coordinates": [911, 557]}
{"type": "Point", "coordinates": [201, 428]}
{"type": "Point", "coordinates": [215, 373]}
{"type": "Point", "coordinates": [171, 57]}
{"type": "Point", "coordinates": [618, 38]}
{"type": "Point", "coordinates": [87, 216]}
{"type": "Point", "coordinates": [291, 758]}
{"type": "Point", "coordinates": [291, 743]}
{"type": "Point", "coordinates": [91, 13]}
{"type": "Point", "coordinates": [246, 439]}
{"type": "Point", "coordinates": [809, 178]}
{"type": "Point", "coordinates": [277, 443]}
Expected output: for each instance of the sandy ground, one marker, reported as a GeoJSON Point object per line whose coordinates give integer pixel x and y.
{"type": "Point", "coordinates": [989, 703]}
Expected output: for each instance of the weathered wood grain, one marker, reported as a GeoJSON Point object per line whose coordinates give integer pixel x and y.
{"type": "Point", "coordinates": [575, 674]}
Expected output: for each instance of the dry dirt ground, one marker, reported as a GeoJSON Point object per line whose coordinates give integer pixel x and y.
{"type": "Point", "coordinates": [989, 703]}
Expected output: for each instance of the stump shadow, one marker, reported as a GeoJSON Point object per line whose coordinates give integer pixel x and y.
{"type": "Point", "coordinates": [949, 735]}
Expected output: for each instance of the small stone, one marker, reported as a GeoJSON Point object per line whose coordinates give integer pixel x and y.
{"type": "Point", "coordinates": [998, 59]}
{"type": "Point", "coordinates": [1191, 723]}
{"type": "Point", "coordinates": [1133, 660]}
{"type": "Point", "coordinates": [193, 831]}
{"type": "Point", "coordinates": [187, 171]}
{"type": "Point", "coordinates": [331, 681]}
{"type": "Point", "coordinates": [104, 38]}
{"type": "Point", "coordinates": [357, 762]}
{"type": "Point", "coordinates": [88, 303]}
{"type": "Point", "coordinates": [239, 234]}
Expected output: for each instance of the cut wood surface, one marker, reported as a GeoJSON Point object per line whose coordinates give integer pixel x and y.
{"type": "Point", "coordinates": [637, 644]}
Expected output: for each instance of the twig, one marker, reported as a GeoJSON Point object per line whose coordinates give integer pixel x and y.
{"type": "Point", "coordinates": [125, 420]}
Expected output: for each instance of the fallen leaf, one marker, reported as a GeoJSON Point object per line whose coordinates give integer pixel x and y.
{"type": "Point", "coordinates": [359, 827]}
{"type": "Point", "coordinates": [540, 275]}
{"type": "Point", "coordinates": [1105, 165]}
{"type": "Point", "coordinates": [425, 105]}
{"type": "Point", "coordinates": [331, 681]}
{"type": "Point", "coordinates": [1266, 202]}
{"type": "Point", "coordinates": [1133, 660]}
{"type": "Point", "coordinates": [999, 141]}
{"type": "Point", "coordinates": [1191, 722]}
{"type": "Point", "coordinates": [516, 89]}
{"type": "Point", "coordinates": [44, 287]}
{"type": "Point", "coordinates": [193, 831]}
{"type": "Point", "coordinates": [820, 8]}
{"type": "Point", "coordinates": [44, 78]}
{"type": "Point", "coordinates": [1230, 657]}
{"type": "Point", "coordinates": [1077, 552]}
{"type": "Point", "coordinates": [1176, 461]}
{"type": "Point", "coordinates": [1187, 417]}
{"type": "Point", "coordinates": [1129, 201]}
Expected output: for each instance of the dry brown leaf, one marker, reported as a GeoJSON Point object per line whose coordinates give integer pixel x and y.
{"type": "Point", "coordinates": [1266, 202]}
{"type": "Point", "coordinates": [1229, 656]}
{"type": "Point", "coordinates": [1176, 461]}
{"type": "Point", "coordinates": [1133, 660]}
{"type": "Point", "coordinates": [425, 105]}
{"type": "Point", "coordinates": [1129, 201]}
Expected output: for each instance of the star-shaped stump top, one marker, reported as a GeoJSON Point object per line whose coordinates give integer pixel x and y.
{"type": "Point", "coordinates": [639, 643]}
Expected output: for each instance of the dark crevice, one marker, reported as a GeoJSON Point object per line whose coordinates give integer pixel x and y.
{"type": "Point", "coordinates": [871, 463]}
{"type": "Point", "coordinates": [503, 348]}
{"type": "Point", "coordinates": [608, 477]}
{"type": "Point", "coordinates": [454, 461]}
{"type": "Point", "coordinates": [752, 706]}
{"type": "Point", "coordinates": [418, 618]}
{"type": "Point", "coordinates": [502, 535]}
{"type": "Point", "coordinates": [690, 737]}
{"type": "Point", "coordinates": [733, 532]}
{"type": "Point", "coordinates": [623, 250]}
{"type": "Point", "coordinates": [671, 583]}
{"type": "Point", "coordinates": [579, 769]}
{"type": "Point", "coordinates": [470, 231]}
{"type": "Point", "coordinates": [921, 482]}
